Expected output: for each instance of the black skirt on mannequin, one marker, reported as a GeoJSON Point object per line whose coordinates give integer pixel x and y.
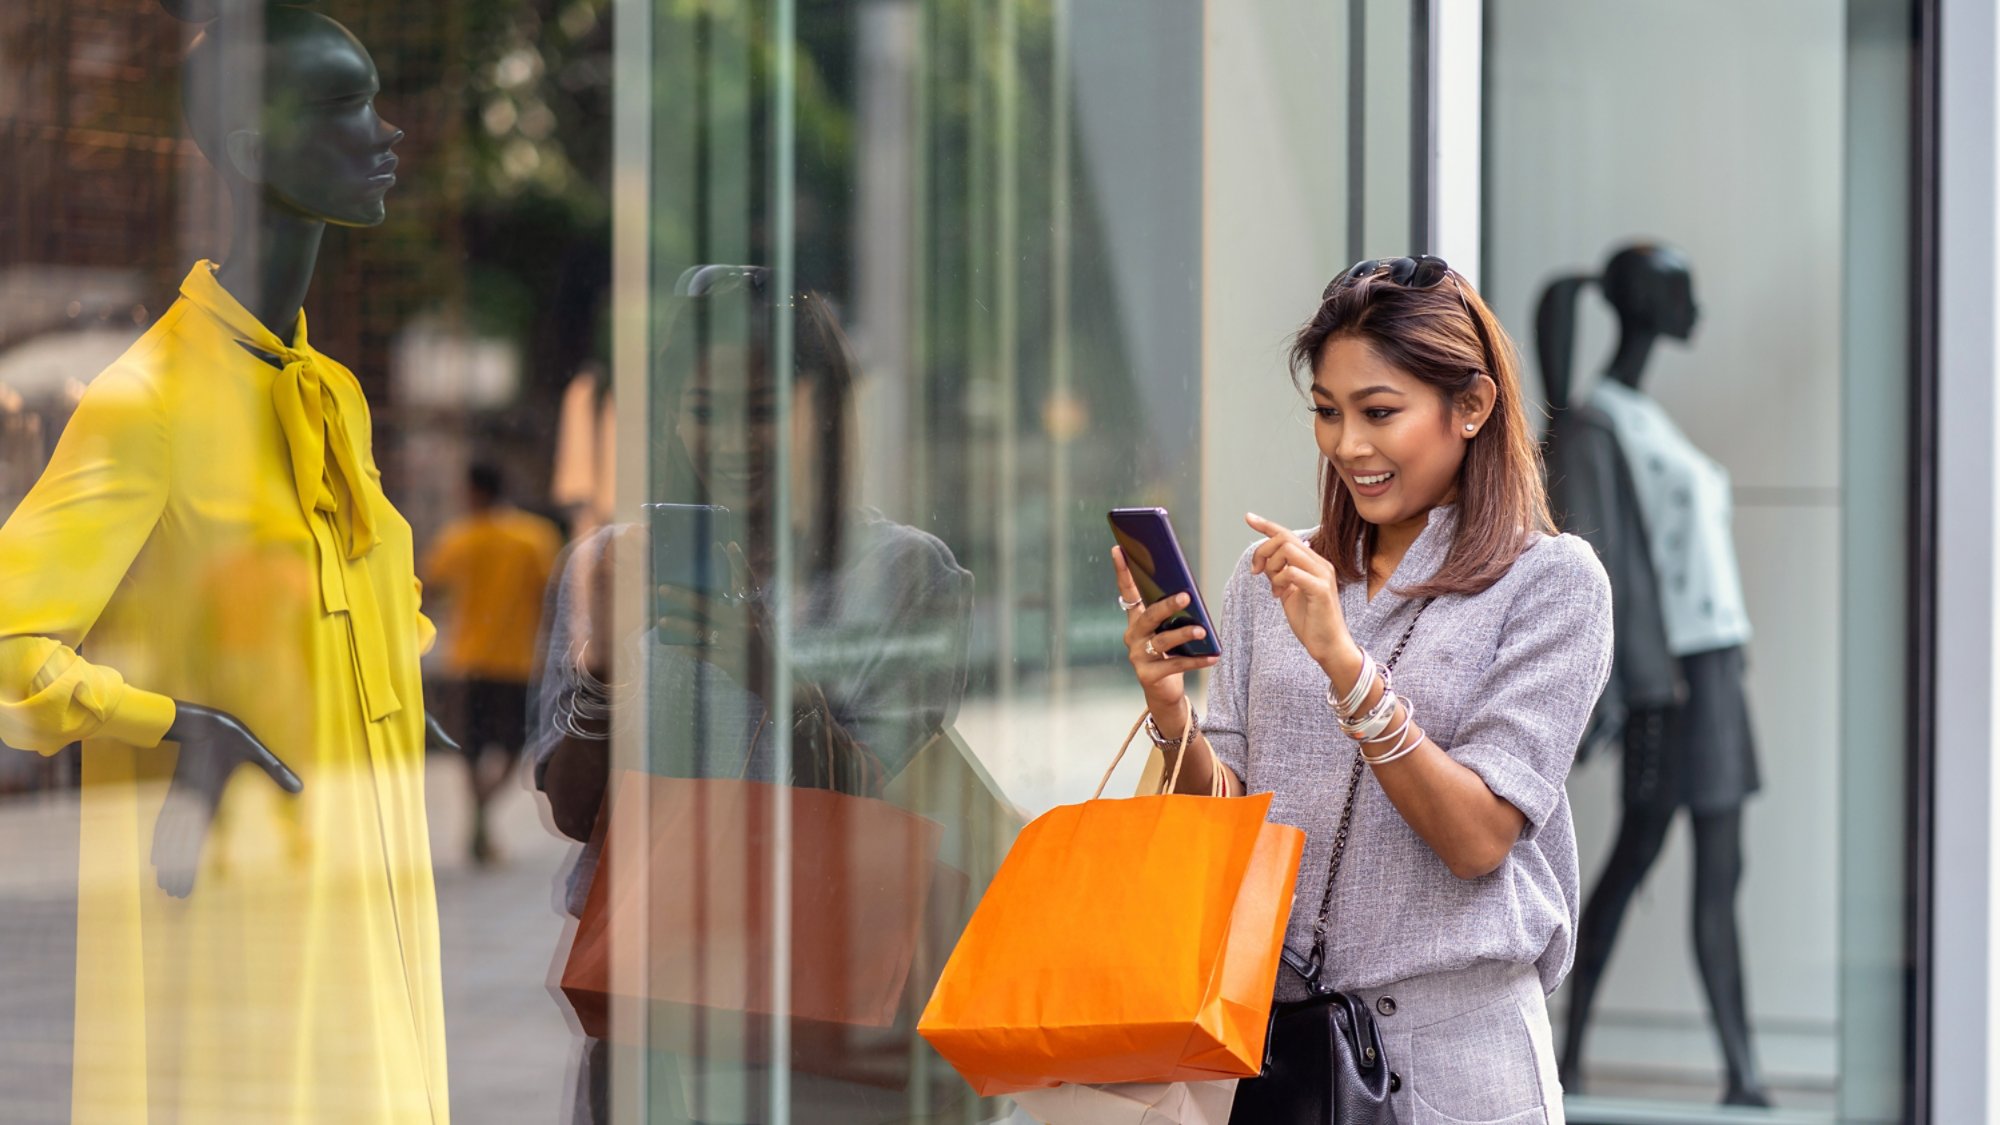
{"type": "Point", "coordinates": [1698, 754]}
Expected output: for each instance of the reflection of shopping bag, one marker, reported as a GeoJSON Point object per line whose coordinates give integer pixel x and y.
{"type": "Point", "coordinates": [1142, 1103]}
{"type": "Point", "coordinates": [690, 920]}
{"type": "Point", "coordinates": [1122, 941]}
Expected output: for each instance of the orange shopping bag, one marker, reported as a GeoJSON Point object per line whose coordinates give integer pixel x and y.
{"type": "Point", "coordinates": [865, 884]}
{"type": "Point", "coordinates": [1130, 940]}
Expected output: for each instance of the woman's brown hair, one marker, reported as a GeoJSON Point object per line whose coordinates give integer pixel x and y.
{"type": "Point", "coordinates": [1445, 336]}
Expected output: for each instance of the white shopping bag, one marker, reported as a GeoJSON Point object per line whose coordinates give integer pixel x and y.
{"type": "Point", "coordinates": [1136, 1103]}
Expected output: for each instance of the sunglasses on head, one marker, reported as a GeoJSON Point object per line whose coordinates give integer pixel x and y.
{"type": "Point", "coordinates": [1420, 272]}
{"type": "Point", "coordinates": [704, 281]}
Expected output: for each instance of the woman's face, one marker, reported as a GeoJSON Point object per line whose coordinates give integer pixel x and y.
{"type": "Point", "coordinates": [1394, 441]}
{"type": "Point", "coordinates": [728, 423]}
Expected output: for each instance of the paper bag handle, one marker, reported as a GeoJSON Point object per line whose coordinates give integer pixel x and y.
{"type": "Point", "coordinates": [1216, 786]}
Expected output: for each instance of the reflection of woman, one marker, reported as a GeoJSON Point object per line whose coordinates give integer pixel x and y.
{"type": "Point", "coordinates": [879, 614]}
{"type": "Point", "coordinates": [1454, 907]}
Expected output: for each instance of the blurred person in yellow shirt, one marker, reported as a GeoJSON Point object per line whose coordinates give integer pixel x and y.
{"type": "Point", "coordinates": [491, 568]}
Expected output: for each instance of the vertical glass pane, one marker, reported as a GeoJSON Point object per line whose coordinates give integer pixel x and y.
{"type": "Point", "coordinates": [1743, 923]}
{"type": "Point", "coordinates": [1030, 261]}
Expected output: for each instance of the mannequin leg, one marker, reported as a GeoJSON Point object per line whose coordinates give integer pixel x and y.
{"type": "Point", "coordinates": [1718, 870]}
{"type": "Point", "coordinates": [1642, 831]}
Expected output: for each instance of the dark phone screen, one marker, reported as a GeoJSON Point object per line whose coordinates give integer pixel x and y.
{"type": "Point", "coordinates": [1160, 570]}
{"type": "Point", "coordinates": [690, 546]}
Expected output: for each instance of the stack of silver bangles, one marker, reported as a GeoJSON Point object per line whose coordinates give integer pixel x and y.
{"type": "Point", "coordinates": [1373, 725]}
{"type": "Point", "coordinates": [583, 710]}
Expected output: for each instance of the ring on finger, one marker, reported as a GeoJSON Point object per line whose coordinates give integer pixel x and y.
{"type": "Point", "coordinates": [1150, 650]}
{"type": "Point", "coordinates": [1128, 607]}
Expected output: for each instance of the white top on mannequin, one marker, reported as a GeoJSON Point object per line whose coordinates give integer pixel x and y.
{"type": "Point", "coordinates": [1684, 498]}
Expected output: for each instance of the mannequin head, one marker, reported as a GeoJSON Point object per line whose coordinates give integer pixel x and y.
{"type": "Point", "coordinates": [1651, 289]}
{"type": "Point", "coordinates": [281, 100]}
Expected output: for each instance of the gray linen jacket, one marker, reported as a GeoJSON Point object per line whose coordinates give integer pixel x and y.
{"type": "Point", "coordinates": [1503, 681]}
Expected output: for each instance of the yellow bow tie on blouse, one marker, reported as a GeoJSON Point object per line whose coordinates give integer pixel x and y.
{"type": "Point", "coordinates": [328, 470]}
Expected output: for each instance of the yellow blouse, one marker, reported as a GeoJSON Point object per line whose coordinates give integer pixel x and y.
{"type": "Point", "coordinates": [212, 528]}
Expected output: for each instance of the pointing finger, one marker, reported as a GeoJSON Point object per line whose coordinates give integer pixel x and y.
{"type": "Point", "coordinates": [1266, 527]}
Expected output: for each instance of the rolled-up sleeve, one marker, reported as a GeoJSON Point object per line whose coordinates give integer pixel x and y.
{"type": "Point", "coordinates": [1529, 707]}
{"type": "Point", "coordinates": [1226, 725]}
{"type": "Point", "coordinates": [63, 554]}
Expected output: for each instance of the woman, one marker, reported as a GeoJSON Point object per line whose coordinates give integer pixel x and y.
{"type": "Point", "coordinates": [1454, 910]}
{"type": "Point", "coordinates": [879, 617]}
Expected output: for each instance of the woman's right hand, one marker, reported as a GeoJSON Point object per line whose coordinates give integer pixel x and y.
{"type": "Point", "coordinates": [1162, 677]}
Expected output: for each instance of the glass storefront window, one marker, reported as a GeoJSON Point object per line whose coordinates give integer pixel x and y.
{"type": "Point", "coordinates": [673, 566]}
{"type": "Point", "coordinates": [1753, 945]}
{"type": "Point", "coordinates": [895, 298]}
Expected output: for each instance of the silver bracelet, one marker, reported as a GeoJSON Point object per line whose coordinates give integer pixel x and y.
{"type": "Point", "coordinates": [575, 709]}
{"type": "Point", "coordinates": [1165, 743]}
{"type": "Point", "coordinates": [1347, 706]}
{"type": "Point", "coordinates": [1369, 727]}
{"type": "Point", "coordinates": [1405, 743]}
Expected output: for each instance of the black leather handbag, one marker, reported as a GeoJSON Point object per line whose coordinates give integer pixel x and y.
{"type": "Point", "coordinates": [1323, 1061]}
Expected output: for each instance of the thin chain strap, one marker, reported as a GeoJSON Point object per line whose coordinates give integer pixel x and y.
{"type": "Point", "coordinates": [1318, 960]}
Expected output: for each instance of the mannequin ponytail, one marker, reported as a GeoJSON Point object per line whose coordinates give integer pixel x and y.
{"type": "Point", "coordinates": [1555, 336]}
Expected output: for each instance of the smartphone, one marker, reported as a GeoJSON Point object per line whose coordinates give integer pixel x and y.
{"type": "Point", "coordinates": [1154, 557]}
{"type": "Point", "coordinates": [690, 544]}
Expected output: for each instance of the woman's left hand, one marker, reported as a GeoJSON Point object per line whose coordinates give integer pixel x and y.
{"type": "Point", "coordinates": [1305, 584]}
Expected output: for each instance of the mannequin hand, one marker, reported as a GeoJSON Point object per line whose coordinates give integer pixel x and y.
{"type": "Point", "coordinates": [1305, 584]}
{"type": "Point", "coordinates": [212, 746]}
{"type": "Point", "coordinates": [435, 737]}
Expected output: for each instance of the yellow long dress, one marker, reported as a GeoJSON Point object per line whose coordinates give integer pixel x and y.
{"type": "Point", "coordinates": [212, 528]}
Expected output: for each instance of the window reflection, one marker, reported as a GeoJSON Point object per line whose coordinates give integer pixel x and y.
{"type": "Point", "coordinates": [878, 620]}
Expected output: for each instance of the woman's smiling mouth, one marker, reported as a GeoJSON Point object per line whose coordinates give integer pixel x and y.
{"type": "Point", "coordinates": [1371, 484]}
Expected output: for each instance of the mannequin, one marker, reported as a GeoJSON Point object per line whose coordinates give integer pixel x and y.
{"type": "Point", "coordinates": [1623, 477]}
{"type": "Point", "coordinates": [285, 196]}
{"type": "Point", "coordinates": [208, 575]}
